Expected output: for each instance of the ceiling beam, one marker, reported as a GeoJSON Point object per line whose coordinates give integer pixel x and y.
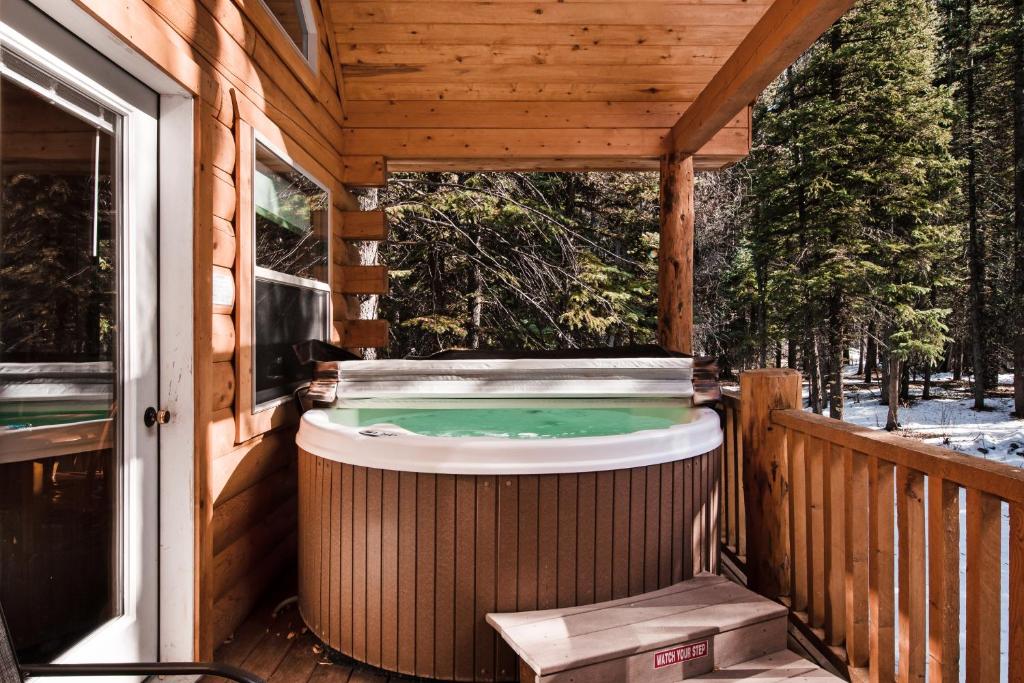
{"type": "Point", "coordinates": [787, 29]}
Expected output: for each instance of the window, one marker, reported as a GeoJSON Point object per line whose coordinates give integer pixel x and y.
{"type": "Point", "coordinates": [291, 294]}
{"type": "Point", "coordinates": [296, 19]}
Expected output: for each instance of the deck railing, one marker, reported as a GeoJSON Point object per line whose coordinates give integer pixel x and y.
{"type": "Point", "coordinates": [733, 527]}
{"type": "Point", "coordinates": [867, 552]}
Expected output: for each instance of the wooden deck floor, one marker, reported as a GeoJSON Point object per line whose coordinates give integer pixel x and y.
{"type": "Point", "coordinates": [281, 650]}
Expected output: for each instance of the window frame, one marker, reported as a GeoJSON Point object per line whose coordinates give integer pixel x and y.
{"type": "Point", "coordinates": [260, 272]}
{"type": "Point", "coordinates": [311, 54]}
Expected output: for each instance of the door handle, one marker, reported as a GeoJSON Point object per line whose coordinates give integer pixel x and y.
{"type": "Point", "coordinates": [152, 416]}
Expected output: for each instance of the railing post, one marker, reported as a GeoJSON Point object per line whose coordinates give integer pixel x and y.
{"type": "Point", "coordinates": [765, 477]}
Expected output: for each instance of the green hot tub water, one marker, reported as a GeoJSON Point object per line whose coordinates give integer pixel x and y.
{"type": "Point", "coordinates": [518, 422]}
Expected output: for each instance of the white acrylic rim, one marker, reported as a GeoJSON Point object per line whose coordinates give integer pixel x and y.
{"type": "Point", "coordinates": [399, 450]}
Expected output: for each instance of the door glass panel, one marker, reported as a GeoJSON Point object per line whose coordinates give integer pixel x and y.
{"type": "Point", "coordinates": [60, 458]}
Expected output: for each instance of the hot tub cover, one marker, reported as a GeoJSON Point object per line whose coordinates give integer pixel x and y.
{"type": "Point", "coordinates": [519, 378]}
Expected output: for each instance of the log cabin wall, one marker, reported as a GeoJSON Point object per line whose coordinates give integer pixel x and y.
{"type": "Point", "coordinates": [246, 75]}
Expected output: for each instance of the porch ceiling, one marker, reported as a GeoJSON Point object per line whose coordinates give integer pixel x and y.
{"type": "Point", "coordinates": [534, 84]}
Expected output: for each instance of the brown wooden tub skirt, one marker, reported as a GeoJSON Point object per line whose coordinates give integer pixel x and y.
{"type": "Point", "coordinates": [398, 569]}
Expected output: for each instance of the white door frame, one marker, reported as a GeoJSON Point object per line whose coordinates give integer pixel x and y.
{"type": "Point", "coordinates": [177, 577]}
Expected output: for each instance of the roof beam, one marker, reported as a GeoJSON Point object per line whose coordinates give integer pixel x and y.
{"type": "Point", "coordinates": [787, 29]}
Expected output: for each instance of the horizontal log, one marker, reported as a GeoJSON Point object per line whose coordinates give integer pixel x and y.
{"type": "Point", "coordinates": [435, 143]}
{"type": "Point", "coordinates": [218, 144]}
{"type": "Point", "coordinates": [223, 337]}
{"type": "Point", "coordinates": [362, 225]}
{"type": "Point", "coordinates": [223, 243]}
{"type": "Point", "coordinates": [222, 195]}
{"type": "Point", "coordinates": [740, 12]}
{"type": "Point", "coordinates": [532, 34]}
{"type": "Point", "coordinates": [443, 114]}
{"type": "Point", "coordinates": [232, 607]}
{"type": "Point", "coordinates": [360, 279]}
{"type": "Point", "coordinates": [987, 476]}
{"type": "Point", "coordinates": [232, 564]}
{"type": "Point", "coordinates": [220, 437]}
{"type": "Point", "coordinates": [361, 334]}
{"type": "Point", "coordinates": [235, 516]}
{"type": "Point", "coordinates": [233, 472]}
{"type": "Point", "coordinates": [364, 171]}
{"type": "Point", "coordinates": [222, 385]}
{"type": "Point", "coordinates": [223, 290]}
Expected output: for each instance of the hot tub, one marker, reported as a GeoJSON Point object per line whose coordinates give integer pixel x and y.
{"type": "Point", "coordinates": [418, 517]}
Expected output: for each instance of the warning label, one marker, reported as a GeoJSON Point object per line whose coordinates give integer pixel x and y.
{"type": "Point", "coordinates": [678, 655]}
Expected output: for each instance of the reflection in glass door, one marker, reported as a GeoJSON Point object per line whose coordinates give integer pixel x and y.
{"type": "Point", "coordinates": [68, 464]}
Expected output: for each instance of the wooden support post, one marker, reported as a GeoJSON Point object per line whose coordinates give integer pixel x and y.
{"type": "Point", "coordinates": [765, 473]}
{"type": "Point", "coordinates": [675, 254]}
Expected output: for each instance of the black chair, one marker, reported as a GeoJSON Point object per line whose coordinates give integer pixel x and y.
{"type": "Point", "coordinates": [13, 672]}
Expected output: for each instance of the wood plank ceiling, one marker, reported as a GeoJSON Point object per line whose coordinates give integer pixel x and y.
{"type": "Point", "coordinates": [533, 84]}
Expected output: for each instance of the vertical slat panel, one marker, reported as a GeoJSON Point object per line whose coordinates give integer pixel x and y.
{"type": "Point", "coordinates": [714, 507]}
{"type": "Point", "coordinates": [637, 528]}
{"type": "Point", "coordinates": [325, 547]}
{"type": "Point", "coordinates": [336, 552]}
{"type": "Point", "coordinates": [567, 495]}
{"type": "Point", "coordinates": [486, 574]}
{"type": "Point", "coordinates": [586, 501]}
{"type": "Point", "coordinates": [834, 476]}
{"type": "Point", "coordinates": [444, 578]}
{"type": "Point", "coordinates": [620, 551]}
{"type": "Point", "coordinates": [729, 473]}
{"type": "Point", "coordinates": [688, 507]}
{"type": "Point", "coordinates": [529, 492]}
{"type": "Point", "coordinates": [547, 541]}
{"type": "Point", "coordinates": [508, 559]}
{"type": "Point", "coordinates": [318, 545]}
{"type": "Point", "coordinates": [1016, 610]}
{"type": "Point", "coordinates": [389, 570]}
{"type": "Point", "coordinates": [706, 490]}
{"type": "Point", "coordinates": [665, 527]}
{"type": "Point", "coordinates": [465, 577]}
{"type": "Point", "coordinates": [857, 541]}
{"type": "Point", "coordinates": [359, 562]}
{"type": "Point", "coordinates": [910, 521]}
{"type": "Point", "coordinates": [678, 524]}
{"type": "Point", "coordinates": [796, 446]}
{"type": "Point", "coordinates": [652, 526]}
{"type": "Point", "coordinates": [881, 592]}
{"type": "Point", "coordinates": [943, 581]}
{"type": "Point", "coordinates": [816, 531]}
{"type": "Point", "coordinates": [426, 533]}
{"type": "Point", "coordinates": [373, 593]}
{"type": "Point", "coordinates": [407, 563]}
{"type": "Point", "coordinates": [348, 553]}
{"type": "Point", "coordinates": [983, 609]}
{"type": "Point", "coordinates": [306, 525]}
{"type": "Point", "coordinates": [604, 539]}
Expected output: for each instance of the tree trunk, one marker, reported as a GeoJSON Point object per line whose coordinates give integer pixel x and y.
{"type": "Point", "coordinates": [778, 354]}
{"type": "Point", "coordinates": [891, 420]}
{"type": "Point", "coordinates": [476, 299]}
{"type": "Point", "coordinates": [883, 383]}
{"type": "Point", "coordinates": [1018, 204]}
{"type": "Point", "coordinates": [957, 361]}
{"type": "Point", "coordinates": [871, 363]}
{"type": "Point", "coordinates": [905, 382]}
{"type": "Point", "coordinates": [791, 353]}
{"type": "Point", "coordinates": [926, 392]}
{"type": "Point", "coordinates": [837, 349]}
{"type": "Point", "coordinates": [860, 352]}
{"type": "Point", "coordinates": [975, 237]}
{"type": "Point", "coordinates": [824, 365]}
{"type": "Point", "coordinates": [811, 370]}
{"type": "Point", "coordinates": [369, 304]}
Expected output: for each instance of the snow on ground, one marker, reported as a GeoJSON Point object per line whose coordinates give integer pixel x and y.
{"type": "Point", "coordinates": [949, 419]}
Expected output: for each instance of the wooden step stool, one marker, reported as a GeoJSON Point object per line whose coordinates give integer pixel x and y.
{"type": "Point", "coordinates": [677, 633]}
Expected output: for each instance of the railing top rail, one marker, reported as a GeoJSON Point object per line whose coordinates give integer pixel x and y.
{"type": "Point", "coordinates": [731, 394]}
{"type": "Point", "coordinates": [995, 478]}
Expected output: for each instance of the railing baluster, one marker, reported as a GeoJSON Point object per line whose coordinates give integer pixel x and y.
{"type": "Point", "coordinates": [910, 520]}
{"type": "Point", "coordinates": [1016, 611]}
{"type": "Point", "coordinates": [855, 466]}
{"type": "Point", "coordinates": [880, 601]}
{"type": "Point", "coordinates": [833, 466]}
{"type": "Point", "coordinates": [983, 511]}
{"type": "Point", "coordinates": [816, 528]}
{"type": "Point", "coordinates": [943, 581]}
{"type": "Point", "coordinates": [728, 474]}
{"type": "Point", "coordinates": [741, 501]}
{"type": "Point", "coordinates": [796, 446]}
